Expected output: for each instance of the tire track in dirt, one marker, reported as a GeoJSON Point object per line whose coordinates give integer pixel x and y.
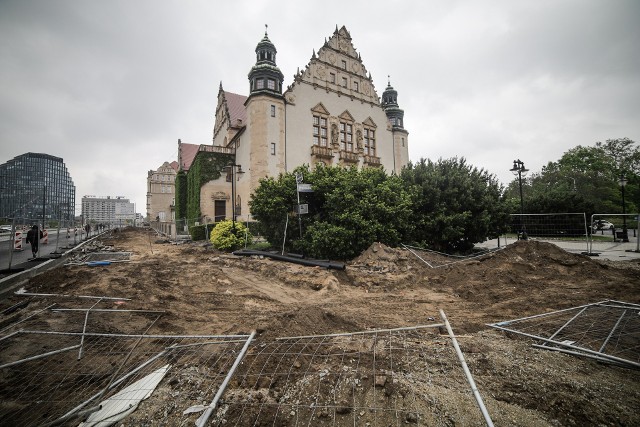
{"type": "Point", "coordinates": [274, 289]}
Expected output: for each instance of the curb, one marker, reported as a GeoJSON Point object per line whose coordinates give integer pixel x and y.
{"type": "Point", "coordinates": [10, 283]}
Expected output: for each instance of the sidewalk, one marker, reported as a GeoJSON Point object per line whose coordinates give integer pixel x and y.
{"type": "Point", "coordinates": [610, 250]}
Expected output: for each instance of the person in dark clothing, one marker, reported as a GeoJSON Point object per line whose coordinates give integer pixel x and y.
{"type": "Point", "coordinates": [33, 237]}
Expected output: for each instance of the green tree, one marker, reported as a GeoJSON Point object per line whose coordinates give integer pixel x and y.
{"type": "Point", "coordinates": [584, 179]}
{"type": "Point", "coordinates": [349, 210]}
{"type": "Point", "coordinates": [454, 204]}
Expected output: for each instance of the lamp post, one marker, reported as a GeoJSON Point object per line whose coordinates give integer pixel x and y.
{"type": "Point", "coordinates": [519, 169]}
{"type": "Point", "coordinates": [232, 169]}
{"type": "Point", "coordinates": [623, 182]}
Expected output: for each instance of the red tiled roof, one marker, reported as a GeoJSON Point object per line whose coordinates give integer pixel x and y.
{"type": "Point", "coordinates": [174, 165]}
{"type": "Point", "coordinates": [187, 154]}
{"type": "Point", "coordinates": [235, 104]}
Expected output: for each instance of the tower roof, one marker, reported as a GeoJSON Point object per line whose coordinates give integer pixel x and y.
{"type": "Point", "coordinates": [265, 77]}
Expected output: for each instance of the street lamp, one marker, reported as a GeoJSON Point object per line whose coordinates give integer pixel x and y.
{"type": "Point", "coordinates": [232, 169]}
{"type": "Point", "coordinates": [519, 169]}
{"type": "Point", "coordinates": [623, 182]}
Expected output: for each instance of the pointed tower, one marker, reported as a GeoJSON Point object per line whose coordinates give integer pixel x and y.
{"type": "Point", "coordinates": [396, 118]}
{"type": "Point", "coordinates": [260, 149]}
{"type": "Point", "coordinates": [265, 77]}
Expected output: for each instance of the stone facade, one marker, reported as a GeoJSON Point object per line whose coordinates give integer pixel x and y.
{"type": "Point", "coordinates": [330, 114]}
{"type": "Point", "coordinates": [161, 192]}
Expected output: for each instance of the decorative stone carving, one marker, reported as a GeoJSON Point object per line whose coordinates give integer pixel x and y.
{"type": "Point", "coordinates": [359, 140]}
{"type": "Point", "coordinates": [334, 135]}
{"type": "Point", "coordinates": [332, 58]}
{"type": "Point", "coordinates": [219, 195]}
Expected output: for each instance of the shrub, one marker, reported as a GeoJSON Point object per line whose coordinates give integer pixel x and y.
{"type": "Point", "coordinates": [225, 238]}
{"type": "Point", "coordinates": [201, 232]}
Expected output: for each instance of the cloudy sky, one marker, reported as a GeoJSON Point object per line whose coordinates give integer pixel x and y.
{"type": "Point", "coordinates": [110, 86]}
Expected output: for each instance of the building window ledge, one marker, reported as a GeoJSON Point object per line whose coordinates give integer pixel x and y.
{"type": "Point", "coordinates": [349, 157]}
{"type": "Point", "coordinates": [321, 152]}
{"type": "Point", "coordinates": [372, 160]}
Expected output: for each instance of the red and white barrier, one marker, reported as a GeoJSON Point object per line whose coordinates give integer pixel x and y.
{"type": "Point", "coordinates": [17, 241]}
{"type": "Point", "coordinates": [45, 237]}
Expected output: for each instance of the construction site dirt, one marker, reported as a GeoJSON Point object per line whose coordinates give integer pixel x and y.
{"type": "Point", "coordinates": [202, 291]}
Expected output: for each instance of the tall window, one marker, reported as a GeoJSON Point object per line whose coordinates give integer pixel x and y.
{"type": "Point", "coordinates": [355, 86]}
{"type": "Point", "coordinates": [273, 148]}
{"type": "Point", "coordinates": [273, 111]}
{"type": "Point", "coordinates": [271, 84]}
{"type": "Point", "coordinates": [320, 131]}
{"type": "Point", "coordinates": [346, 136]}
{"type": "Point", "coordinates": [369, 142]}
{"type": "Point", "coordinates": [344, 64]}
{"type": "Point", "coordinates": [344, 82]}
{"type": "Point", "coordinates": [259, 84]}
{"type": "Point", "coordinates": [332, 77]}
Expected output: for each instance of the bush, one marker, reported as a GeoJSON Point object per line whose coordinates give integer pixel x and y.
{"type": "Point", "coordinates": [201, 232]}
{"type": "Point", "coordinates": [349, 209]}
{"type": "Point", "coordinates": [225, 238]}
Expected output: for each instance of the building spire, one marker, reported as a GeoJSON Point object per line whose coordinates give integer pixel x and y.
{"type": "Point", "coordinates": [265, 76]}
{"type": "Point", "coordinates": [390, 105]}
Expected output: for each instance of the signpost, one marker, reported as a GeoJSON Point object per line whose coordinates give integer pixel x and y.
{"type": "Point", "coordinates": [301, 209]}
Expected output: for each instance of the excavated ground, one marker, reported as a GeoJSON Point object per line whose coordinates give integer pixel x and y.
{"type": "Point", "coordinates": [208, 292]}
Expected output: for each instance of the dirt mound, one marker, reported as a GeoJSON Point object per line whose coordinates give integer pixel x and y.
{"type": "Point", "coordinates": [203, 291]}
{"type": "Point", "coordinates": [536, 252]}
{"type": "Point", "coordinates": [308, 321]}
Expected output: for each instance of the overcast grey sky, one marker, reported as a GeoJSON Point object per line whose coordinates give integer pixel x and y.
{"type": "Point", "coordinates": [110, 86]}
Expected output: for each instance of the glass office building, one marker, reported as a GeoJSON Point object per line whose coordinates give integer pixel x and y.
{"type": "Point", "coordinates": [34, 186]}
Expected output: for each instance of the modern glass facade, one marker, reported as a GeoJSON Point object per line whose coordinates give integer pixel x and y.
{"type": "Point", "coordinates": [34, 186]}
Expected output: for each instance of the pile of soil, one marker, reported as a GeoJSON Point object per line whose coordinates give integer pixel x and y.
{"type": "Point", "coordinates": [208, 292]}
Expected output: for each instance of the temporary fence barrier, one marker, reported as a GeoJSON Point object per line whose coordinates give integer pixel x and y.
{"type": "Point", "coordinates": [45, 237]}
{"type": "Point", "coordinates": [17, 241]}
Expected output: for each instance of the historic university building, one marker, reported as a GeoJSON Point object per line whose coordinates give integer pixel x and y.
{"type": "Point", "coordinates": [329, 114]}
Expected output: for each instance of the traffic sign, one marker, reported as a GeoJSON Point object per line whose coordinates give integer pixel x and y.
{"type": "Point", "coordinates": [304, 188]}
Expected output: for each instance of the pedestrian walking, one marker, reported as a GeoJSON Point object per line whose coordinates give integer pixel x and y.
{"type": "Point", "coordinates": [33, 237]}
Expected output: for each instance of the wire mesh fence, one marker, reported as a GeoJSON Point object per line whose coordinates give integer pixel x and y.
{"type": "Point", "coordinates": [607, 330]}
{"type": "Point", "coordinates": [63, 363]}
{"type": "Point", "coordinates": [378, 378]}
{"type": "Point", "coordinates": [435, 259]}
{"type": "Point", "coordinates": [549, 225]}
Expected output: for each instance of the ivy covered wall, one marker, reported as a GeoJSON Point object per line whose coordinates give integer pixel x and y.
{"type": "Point", "coordinates": [205, 167]}
{"type": "Point", "coordinates": [181, 195]}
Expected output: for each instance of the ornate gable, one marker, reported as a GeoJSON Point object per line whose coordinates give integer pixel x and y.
{"type": "Point", "coordinates": [369, 122]}
{"type": "Point", "coordinates": [320, 109]}
{"type": "Point", "coordinates": [231, 114]}
{"type": "Point", "coordinates": [347, 116]}
{"type": "Point", "coordinates": [338, 67]}
{"type": "Point", "coordinates": [222, 113]}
